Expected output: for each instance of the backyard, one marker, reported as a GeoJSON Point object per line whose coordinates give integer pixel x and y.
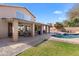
{"type": "Point", "coordinates": [52, 48]}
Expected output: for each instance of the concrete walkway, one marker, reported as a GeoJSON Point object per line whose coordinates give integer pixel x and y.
{"type": "Point", "coordinates": [9, 48]}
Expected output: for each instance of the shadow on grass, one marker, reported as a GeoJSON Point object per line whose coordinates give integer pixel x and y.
{"type": "Point", "coordinates": [40, 42]}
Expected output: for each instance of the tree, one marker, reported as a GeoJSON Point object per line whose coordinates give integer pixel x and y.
{"type": "Point", "coordinates": [65, 23]}
{"type": "Point", "coordinates": [59, 26]}
{"type": "Point", "coordinates": [73, 12]}
{"type": "Point", "coordinates": [73, 15]}
{"type": "Point", "coordinates": [71, 23]}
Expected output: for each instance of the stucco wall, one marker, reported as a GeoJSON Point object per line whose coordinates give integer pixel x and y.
{"type": "Point", "coordinates": [10, 12]}
{"type": "Point", "coordinates": [6, 12]}
{"type": "Point", "coordinates": [72, 29]}
{"type": "Point", "coordinates": [3, 29]}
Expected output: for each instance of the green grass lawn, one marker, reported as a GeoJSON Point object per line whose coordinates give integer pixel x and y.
{"type": "Point", "coordinates": [52, 48]}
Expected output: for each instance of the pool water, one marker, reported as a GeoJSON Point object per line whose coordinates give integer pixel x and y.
{"type": "Point", "coordinates": [66, 35]}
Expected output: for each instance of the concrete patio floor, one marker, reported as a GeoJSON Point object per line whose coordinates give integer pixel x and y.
{"type": "Point", "coordinates": [9, 48]}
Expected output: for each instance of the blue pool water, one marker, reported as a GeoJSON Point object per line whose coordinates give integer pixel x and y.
{"type": "Point", "coordinates": [66, 35]}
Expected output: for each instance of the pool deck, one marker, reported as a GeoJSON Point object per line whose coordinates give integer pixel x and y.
{"type": "Point", "coordinates": [67, 40]}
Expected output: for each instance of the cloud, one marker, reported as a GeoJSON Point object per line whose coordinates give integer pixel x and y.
{"type": "Point", "coordinates": [57, 12]}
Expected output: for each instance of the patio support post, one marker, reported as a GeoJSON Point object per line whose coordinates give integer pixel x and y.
{"type": "Point", "coordinates": [46, 28]}
{"type": "Point", "coordinates": [42, 27]}
{"type": "Point", "coordinates": [49, 29]}
{"type": "Point", "coordinates": [33, 29]}
{"type": "Point", "coordinates": [15, 30]}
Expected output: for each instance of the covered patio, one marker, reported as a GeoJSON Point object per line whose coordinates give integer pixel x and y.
{"type": "Point", "coordinates": [23, 28]}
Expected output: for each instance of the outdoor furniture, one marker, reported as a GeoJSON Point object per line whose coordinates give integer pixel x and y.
{"type": "Point", "coordinates": [39, 32]}
{"type": "Point", "coordinates": [25, 33]}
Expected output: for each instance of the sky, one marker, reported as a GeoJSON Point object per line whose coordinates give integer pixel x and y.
{"type": "Point", "coordinates": [47, 12]}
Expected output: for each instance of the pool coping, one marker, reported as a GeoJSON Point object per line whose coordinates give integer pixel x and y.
{"type": "Point", "coordinates": [67, 40]}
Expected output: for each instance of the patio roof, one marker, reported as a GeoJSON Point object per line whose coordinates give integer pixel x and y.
{"type": "Point", "coordinates": [25, 21]}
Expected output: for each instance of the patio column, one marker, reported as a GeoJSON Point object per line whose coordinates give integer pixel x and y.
{"type": "Point", "coordinates": [46, 28]}
{"type": "Point", "coordinates": [42, 28]}
{"type": "Point", "coordinates": [15, 30]}
{"type": "Point", "coordinates": [33, 29]}
{"type": "Point", "coordinates": [49, 29]}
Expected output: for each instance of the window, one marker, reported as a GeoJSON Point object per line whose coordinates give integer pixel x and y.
{"type": "Point", "coordinates": [21, 15]}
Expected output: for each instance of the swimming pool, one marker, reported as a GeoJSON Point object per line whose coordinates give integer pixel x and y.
{"type": "Point", "coordinates": [66, 35]}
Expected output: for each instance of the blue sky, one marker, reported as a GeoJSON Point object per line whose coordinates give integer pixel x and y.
{"type": "Point", "coordinates": [47, 12]}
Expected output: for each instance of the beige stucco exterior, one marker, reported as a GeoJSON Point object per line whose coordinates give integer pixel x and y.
{"type": "Point", "coordinates": [72, 29]}
{"type": "Point", "coordinates": [10, 12]}
{"type": "Point", "coordinates": [3, 28]}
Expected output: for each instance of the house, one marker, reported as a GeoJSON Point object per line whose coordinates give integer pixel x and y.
{"type": "Point", "coordinates": [13, 19]}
